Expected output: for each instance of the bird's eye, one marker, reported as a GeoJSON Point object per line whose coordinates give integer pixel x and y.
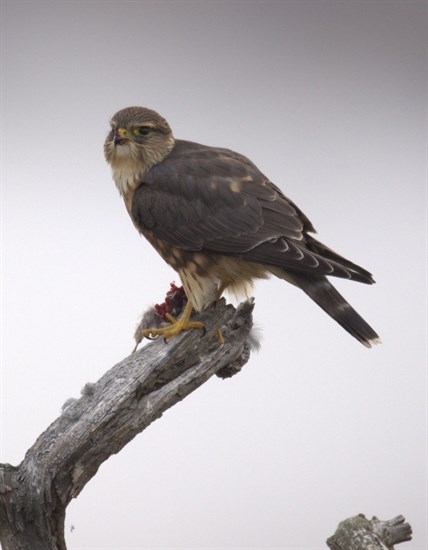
{"type": "Point", "coordinates": [142, 130]}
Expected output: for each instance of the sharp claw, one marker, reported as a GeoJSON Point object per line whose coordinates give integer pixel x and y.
{"type": "Point", "coordinates": [176, 326]}
{"type": "Point", "coordinates": [219, 336]}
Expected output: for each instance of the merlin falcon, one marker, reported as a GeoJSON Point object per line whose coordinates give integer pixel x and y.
{"type": "Point", "coordinates": [220, 223]}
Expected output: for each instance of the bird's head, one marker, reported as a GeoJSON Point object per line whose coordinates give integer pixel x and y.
{"type": "Point", "coordinates": [139, 138]}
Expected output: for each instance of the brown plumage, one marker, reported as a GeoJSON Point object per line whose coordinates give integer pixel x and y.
{"type": "Point", "coordinates": [219, 222]}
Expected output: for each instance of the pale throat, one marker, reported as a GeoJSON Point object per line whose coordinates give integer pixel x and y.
{"type": "Point", "coordinates": [127, 171]}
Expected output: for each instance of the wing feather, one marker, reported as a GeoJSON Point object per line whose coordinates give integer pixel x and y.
{"type": "Point", "coordinates": [205, 198]}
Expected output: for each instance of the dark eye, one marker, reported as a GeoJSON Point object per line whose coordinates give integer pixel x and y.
{"type": "Point", "coordinates": [143, 130]}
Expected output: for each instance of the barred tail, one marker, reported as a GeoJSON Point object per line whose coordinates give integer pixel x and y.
{"type": "Point", "coordinates": [328, 298]}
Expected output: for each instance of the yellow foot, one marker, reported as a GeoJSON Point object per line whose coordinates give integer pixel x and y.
{"type": "Point", "coordinates": [173, 329]}
{"type": "Point", "coordinates": [176, 327]}
{"type": "Point", "coordinates": [219, 336]}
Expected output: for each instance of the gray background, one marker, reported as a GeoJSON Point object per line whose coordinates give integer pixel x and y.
{"type": "Point", "coordinates": [328, 99]}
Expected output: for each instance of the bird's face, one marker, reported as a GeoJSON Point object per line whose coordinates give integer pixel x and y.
{"type": "Point", "coordinates": [138, 139]}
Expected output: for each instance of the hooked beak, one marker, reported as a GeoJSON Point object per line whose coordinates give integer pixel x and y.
{"type": "Point", "coordinates": [120, 136]}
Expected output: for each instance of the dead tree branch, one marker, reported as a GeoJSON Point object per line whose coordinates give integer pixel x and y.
{"type": "Point", "coordinates": [360, 533]}
{"type": "Point", "coordinates": [111, 412]}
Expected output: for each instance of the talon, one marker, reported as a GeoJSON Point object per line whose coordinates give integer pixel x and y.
{"type": "Point", "coordinates": [219, 336]}
{"type": "Point", "coordinates": [176, 327]}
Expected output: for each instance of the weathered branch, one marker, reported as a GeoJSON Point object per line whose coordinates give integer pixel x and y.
{"type": "Point", "coordinates": [359, 533]}
{"type": "Point", "coordinates": [111, 412]}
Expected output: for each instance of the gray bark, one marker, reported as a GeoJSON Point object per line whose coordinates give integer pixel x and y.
{"type": "Point", "coordinates": [111, 412]}
{"type": "Point", "coordinates": [359, 533]}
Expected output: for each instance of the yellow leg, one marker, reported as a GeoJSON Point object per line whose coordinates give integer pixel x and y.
{"type": "Point", "coordinates": [176, 326]}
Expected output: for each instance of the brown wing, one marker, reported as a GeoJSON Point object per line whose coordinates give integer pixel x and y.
{"type": "Point", "coordinates": [204, 198]}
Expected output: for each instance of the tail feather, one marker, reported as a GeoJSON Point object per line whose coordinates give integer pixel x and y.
{"type": "Point", "coordinates": [357, 272]}
{"type": "Point", "coordinates": [332, 302]}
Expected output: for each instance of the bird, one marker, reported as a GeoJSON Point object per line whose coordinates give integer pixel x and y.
{"type": "Point", "coordinates": [220, 223]}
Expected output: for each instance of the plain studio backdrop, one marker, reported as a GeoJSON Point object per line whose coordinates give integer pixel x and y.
{"type": "Point", "coordinates": [328, 99]}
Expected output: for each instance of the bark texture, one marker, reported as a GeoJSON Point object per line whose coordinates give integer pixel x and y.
{"type": "Point", "coordinates": [111, 412]}
{"type": "Point", "coordinates": [360, 533]}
